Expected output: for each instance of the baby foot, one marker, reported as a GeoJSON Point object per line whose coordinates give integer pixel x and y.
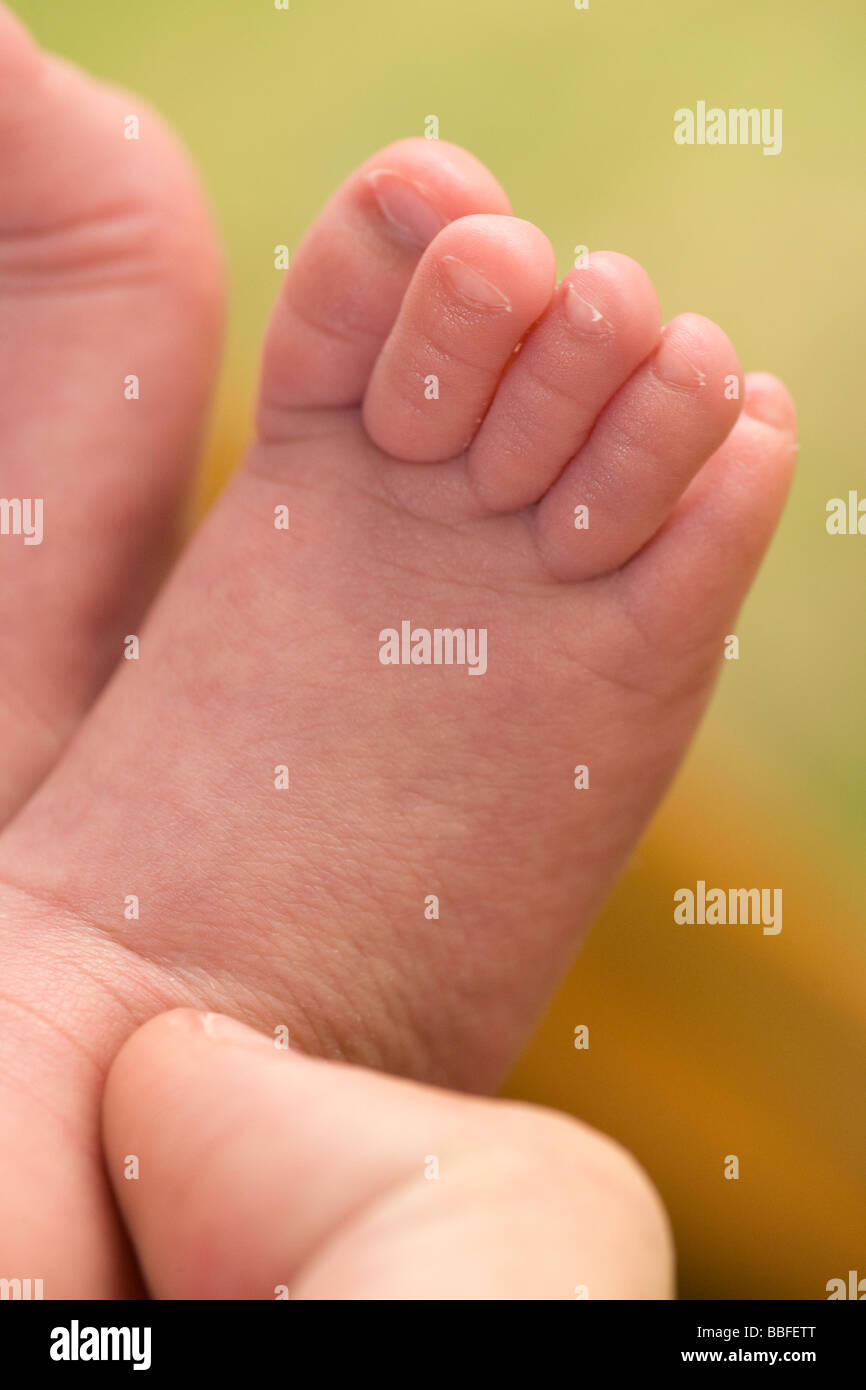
{"type": "Point", "coordinates": [395, 861]}
{"type": "Point", "coordinates": [110, 304]}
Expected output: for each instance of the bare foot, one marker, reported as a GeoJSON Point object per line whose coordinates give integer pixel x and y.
{"type": "Point", "coordinates": [110, 313]}
{"type": "Point", "coordinates": [393, 860]}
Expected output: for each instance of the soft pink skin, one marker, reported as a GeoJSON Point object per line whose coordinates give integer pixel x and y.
{"type": "Point", "coordinates": [108, 268]}
{"type": "Point", "coordinates": [569, 369]}
{"type": "Point", "coordinates": [306, 907]}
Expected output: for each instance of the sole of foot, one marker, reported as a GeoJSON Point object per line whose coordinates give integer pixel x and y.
{"type": "Point", "coordinates": [394, 860]}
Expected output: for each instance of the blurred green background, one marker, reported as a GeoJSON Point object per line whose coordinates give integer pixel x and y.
{"type": "Point", "coordinates": [716, 1041]}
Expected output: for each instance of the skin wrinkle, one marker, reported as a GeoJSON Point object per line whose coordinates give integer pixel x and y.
{"type": "Point", "coordinates": [255, 933]}
{"type": "Point", "coordinates": [24, 710]}
{"type": "Point", "coordinates": [700, 674]}
{"type": "Point", "coordinates": [398, 510]}
{"type": "Point", "coordinates": [52, 1027]}
{"type": "Point", "coordinates": [188, 982]}
{"type": "Point", "coordinates": [51, 905]}
{"type": "Point", "coordinates": [64, 1121]}
{"type": "Point", "coordinates": [346, 333]}
{"type": "Point", "coordinates": [117, 222]}
{"type": "Point", "coordinates": [147, 278]}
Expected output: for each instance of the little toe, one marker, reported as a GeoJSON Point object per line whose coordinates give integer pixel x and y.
{"type": "Point", "coordinates": [350, 273]}
{"type": "Point", "coordinates": [686, 585]}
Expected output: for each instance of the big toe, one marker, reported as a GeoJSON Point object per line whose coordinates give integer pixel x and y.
{"type": "Point", "coordinates": [348, 277]}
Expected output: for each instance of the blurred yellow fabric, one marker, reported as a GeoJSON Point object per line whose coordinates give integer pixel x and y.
{"type": "Point", "coordinates": [705, 1042]}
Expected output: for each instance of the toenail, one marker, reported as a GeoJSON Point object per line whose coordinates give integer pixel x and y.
{"type": "Point", "coordinates": [675, 368]}
{"type": "Point", "coordinates": [471, 285]}
{"type": "Point", "coordinates": [406, 208]}
{"type": "Point", "coordinates": [582, 315]}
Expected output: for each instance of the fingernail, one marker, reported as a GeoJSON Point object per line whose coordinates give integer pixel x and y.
{"type": "Point", "coordinates": [226, 1029]}
{"type": "Point", "coordinates": [406, 208]}
{"type": "Point", "coordinates": [471, 285]}
{"type": "Point", "coordinates": [583, 315]}
{"type": "Point", "coordinates": [674, 367]}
